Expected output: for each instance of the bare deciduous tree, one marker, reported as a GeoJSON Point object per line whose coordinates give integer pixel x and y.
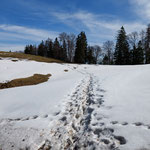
{"type": "Point", "coordinates": [133, 39]}
{"type": "Point", "coordinates": [63, 37]}
{"type": "Point", "coordinates": [142, 38]}
{"type": "Point", "coordinates": [97, 53]}
{"type": "Point", "coordinates": [108, 48]}
{"type": "Point", "coordinates": [70, 40]}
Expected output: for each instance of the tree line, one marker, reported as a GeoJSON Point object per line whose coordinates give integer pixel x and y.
{"type": "Point", "coordinates": [131, 49]}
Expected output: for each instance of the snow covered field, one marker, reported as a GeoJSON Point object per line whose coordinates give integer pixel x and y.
{"type": "Point", "coordinates": [90, 106]}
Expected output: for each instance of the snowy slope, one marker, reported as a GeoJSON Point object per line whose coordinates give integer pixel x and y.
{"type": "Point", "coordinates": [127, 102]}
{"type": "Point", "coordinates": [87, 101]}
{"type": "Point", "coordinates": [39, 99]}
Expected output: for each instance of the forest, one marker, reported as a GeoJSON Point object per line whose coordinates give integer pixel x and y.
{"type": "Point", "coordinates": [129, 49]}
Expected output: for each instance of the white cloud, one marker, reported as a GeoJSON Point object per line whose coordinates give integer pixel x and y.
{"type": "Point", "coordinates": [142, 8]}
{"type": "Point", "coordinates": [20, 32]}
{"type": "Point", "coordinates": [12, 47]}
{"type": "Point", "coordinates": [96, 27]}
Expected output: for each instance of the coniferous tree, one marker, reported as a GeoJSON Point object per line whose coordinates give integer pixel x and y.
{"type": "Point", "coordinates": [90, 55]}
{"type": "Point", "coordinates": [34, 51]}
{"type": "Point", "coordinates": [81, 49]}
{"type": "Point", "coordinates": [122, 54]}
{"type": "Point", "coordinates": [105, 60]}
{"type": "Point", "coordinates": [49, 48]}
{"type": "Point", "coordinates": [27, 50]}
{"type": "Point", "coordinates": [135, 56]}
{"type": "Point", "coordinates": [46, 47]}
{"type": "Point", "coordinates": [56, 49]}
{"type": "Point", "coordinates": [64, 51]}
{"type": "Point", "coordinates": [132, 55]}
{"type": "Point", "coordinates": [41, 48]}
{"type": "Point", "coordinates": [147, 46]}
{"type": "Point", "coordinates": [133, 43]}
{"type": "Point", "coordinates": [140, 52]}
{"type": "Point", "coordinates": [30, 49]}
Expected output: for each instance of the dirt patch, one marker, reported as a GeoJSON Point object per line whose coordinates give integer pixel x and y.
{"type": "Point", "coordinates": [66, 70]}
{"type": "Point", "coordinates": [14, 60]}
{"type": "Point", "coordinates": [33, 80]}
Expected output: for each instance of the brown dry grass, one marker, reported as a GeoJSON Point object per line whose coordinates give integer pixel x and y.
{"type": "Point", "coordinates": [29, 57]}
{"type": "Point", "coordinates": [33, 80]}
{"type": "Point", "coordinates": [66, 70]}
{"type": "Point", "coordinates": [14, 60]}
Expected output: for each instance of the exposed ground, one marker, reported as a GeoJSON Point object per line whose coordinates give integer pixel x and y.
{"type": "Point", "coordinates": [33, 80]}
{"type": "Point", "coordinates": [28, 57]}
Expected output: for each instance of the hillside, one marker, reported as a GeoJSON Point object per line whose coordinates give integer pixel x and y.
{"type": "Point", "coordinates": [79, 107]}
{"type": "Point", "coordinates": [28, 57]}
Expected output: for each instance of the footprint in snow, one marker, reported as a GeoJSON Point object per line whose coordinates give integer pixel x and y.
{"type": "Point", "coordinates": [34, 117]}
{"type": "Point", "coordinates": [105, 141]}
{"type": "Point", "coordinates": [56, 113]}
{"type": "Point", "coordinates": [138, 124]}
{"type": "Point", "coordinates": [108, 107]}
{"type": "Point", "coordinates": [25, 119]}
{"type": "Point", "coordinates": [17, 119]}
{"type": "Point", "coordinates": [44, 116]}
{"type": "Point", "coordinates": [64, 118]}
{"type": "Point", "coordinates": [148, 127]}
{"type": "Point", "coordinates": [121, 139]}
{"type": "Point", "coordinates": [124, 123]}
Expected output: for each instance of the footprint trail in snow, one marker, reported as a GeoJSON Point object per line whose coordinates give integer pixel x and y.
{"type": "Point", "coordinates": [78, 126]}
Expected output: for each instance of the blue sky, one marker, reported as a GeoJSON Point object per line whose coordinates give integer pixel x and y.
{"type": "Point", "coordinates": [30, 21]}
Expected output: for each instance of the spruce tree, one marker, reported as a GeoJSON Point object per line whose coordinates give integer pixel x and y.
{"type": "Point", "coordinates": [49, 47]}
{"type": "Point", "coordinates": [105, 60]}
{"type": "Point", "coordinates": [81, 49]}
{"type": "Point", "coordinates": [34, 52]}
{"type": "Point", "coordinates": [64, 51]}
{"type": "Point", "coordinates": [31, 47]}
{"type": "Point", "coordinates": [147, 46]}
{"type": "Point", "coordinates": [137, 54]}
{"type": "Point", "coordinates": [90, 55]}
{"type": "Point", "coordinates": [133, 55]}
{"type": "Point", "coordinates": [140, 51]}
{"type": "Point", "coordinates": [122, 54]}
{"type": "Point", "coordinates": [41, 48]}
{"type": "Point", "coordinates": [56, 49]}
{"type": "Point", "coordinates": [27, 50]}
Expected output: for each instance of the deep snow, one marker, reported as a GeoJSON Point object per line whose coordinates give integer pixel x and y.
{"type": "Point", "coordinates": [87, 101]}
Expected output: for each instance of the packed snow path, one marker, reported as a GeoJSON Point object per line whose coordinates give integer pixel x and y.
{"type": "Point", "coordinates": [78, 127]}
